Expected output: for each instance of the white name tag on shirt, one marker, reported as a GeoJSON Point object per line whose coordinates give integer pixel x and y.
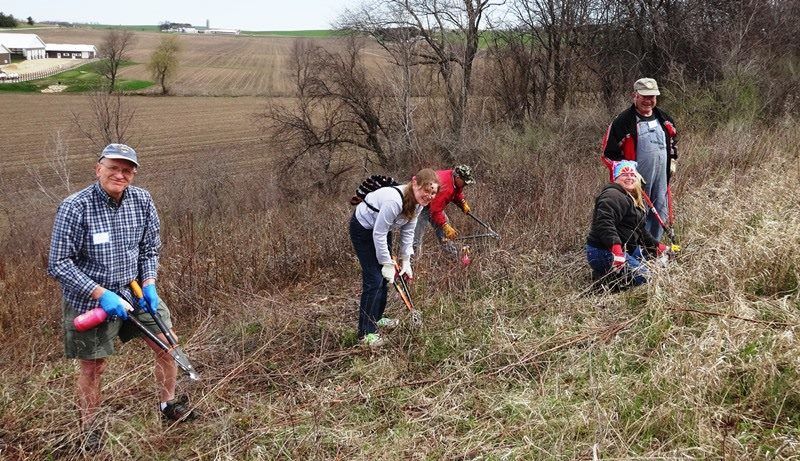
{"type": "Point", "coordinates": [100, 237]}
{"type": "Point", "coordinates": [652, 123]}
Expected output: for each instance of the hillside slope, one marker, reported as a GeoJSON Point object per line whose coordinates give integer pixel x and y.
{"type": "Point", "coordinates": [515, 360]}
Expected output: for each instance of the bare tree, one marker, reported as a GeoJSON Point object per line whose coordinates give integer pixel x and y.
{"type": "Point", "coordinates": [449, 32]}
{"type": "Point", "coordinates": [555, 26]}
{"type": "Point", "coordinates": [114, 50]}
{"type": "Point", "coordinates": [339, 107]}
{"type": "Point", "coordinates": [110, 119]}
{"type": "Point", "coordinates": [605, 51]}
{"type": "Point", "coordinates": [164, 61]}
{"type": "Point", "coordinates": [517, 81]}
{"type": "Point", "coordinates": [402, 43]}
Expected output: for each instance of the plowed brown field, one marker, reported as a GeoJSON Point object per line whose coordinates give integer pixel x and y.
{"type": "Point", "coordinates": [168, 133]}
{"type": "Point", "coordinates": [207, 124]}
{"type": "Point", "coordinates": [210, 65]}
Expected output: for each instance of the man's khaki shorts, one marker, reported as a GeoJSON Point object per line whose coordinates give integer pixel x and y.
{"type": "Point", "coordinates": [98, 342]}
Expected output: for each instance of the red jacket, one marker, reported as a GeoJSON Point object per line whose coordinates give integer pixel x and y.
{"type": "Point", "coordinates": [447, 193]}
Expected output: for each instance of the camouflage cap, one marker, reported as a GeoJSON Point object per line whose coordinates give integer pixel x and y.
{"type": "Point", "coordinates": [465, 173]}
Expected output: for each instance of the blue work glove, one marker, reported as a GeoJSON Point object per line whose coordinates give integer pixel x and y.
{"type": "Point", "coordinates": [114, 305]}
{"type": "Point", "coordinates": [149, 301]}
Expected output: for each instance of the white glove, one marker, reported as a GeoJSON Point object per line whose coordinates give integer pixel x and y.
{"type": "Point", "coordinates": [388, 272]}
{"type": "Point", "coordinates": [405, 268]}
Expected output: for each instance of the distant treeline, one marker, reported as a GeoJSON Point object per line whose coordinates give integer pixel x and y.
{"type": "Point", "coordinates": [167, 25]}
{"type": "Point", "coordinates": [8, 20]}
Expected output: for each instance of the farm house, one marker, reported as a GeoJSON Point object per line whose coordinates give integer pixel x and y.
{"type": "Point", "coordinates": [5, 55]}
{"type": "Point", "coordinates": [66, 50]}
{"type": "Point", "coordinates": [29, 46]}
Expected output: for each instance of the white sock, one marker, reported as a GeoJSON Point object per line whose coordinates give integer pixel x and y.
{"type": "Point", "coordinates": [162, 405]}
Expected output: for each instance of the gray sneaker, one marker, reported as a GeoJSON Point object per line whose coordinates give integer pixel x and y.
{"type": "Point", "coordinates": [388, 324]}
{"type": "Point", "coordinates": [373, 340]}
{"type": "Point", "coordinates": [92, 440]}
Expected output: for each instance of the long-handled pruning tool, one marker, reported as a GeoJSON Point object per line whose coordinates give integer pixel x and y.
{"type": "Point", "coordinates": [405, 294]}
{"type": "Point", "coordinates": [463, 254]}
{"type": "Point", "coordinates": [476, 236]}
{"type": "Point", "coordinates": [491, 233]}
{"type": "Point", "coordinates": [668, 229]}
{"type": "Point", "coordinates": [173, 348]}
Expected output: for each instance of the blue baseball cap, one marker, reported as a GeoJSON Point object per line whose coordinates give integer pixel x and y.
{"type": "Point", "coordinates": [120, 152]}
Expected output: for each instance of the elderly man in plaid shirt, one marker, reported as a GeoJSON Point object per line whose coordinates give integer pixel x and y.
{"type": "Point", "coordinates": [104, 236]}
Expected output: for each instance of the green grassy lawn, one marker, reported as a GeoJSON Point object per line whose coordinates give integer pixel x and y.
{"type": "Point", "coordinates": [79, 79]}
{"type": "Point", "coordinates": [25, 25]}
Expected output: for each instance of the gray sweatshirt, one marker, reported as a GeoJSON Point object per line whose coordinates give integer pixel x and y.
{"type": "Point", "coordinates": [389, 218]}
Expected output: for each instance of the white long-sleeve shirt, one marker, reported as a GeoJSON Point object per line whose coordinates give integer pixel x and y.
{"type": "Point", "coordinates": [389, 218]}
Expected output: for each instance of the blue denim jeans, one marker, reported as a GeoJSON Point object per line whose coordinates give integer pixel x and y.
{"type": "Point", "coordinates": [373, 285]}
{"type": "Point", "coordinates": [600, 260]}
{"type": "Point", "coordinates": [423, 221]}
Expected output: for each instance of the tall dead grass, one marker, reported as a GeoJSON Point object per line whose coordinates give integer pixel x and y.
{"type": "Point", "coordinates": [515, 360]}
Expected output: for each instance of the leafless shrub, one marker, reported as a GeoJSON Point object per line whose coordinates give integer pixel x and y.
{"type": "Point", "coordinates": [55, 157]}
{"type": "Point", "coordinates": [110, 119]}
{"type": "Point", "coordinates": [338, 114]}
{"type": "Point", "coordinates": [515, 82]}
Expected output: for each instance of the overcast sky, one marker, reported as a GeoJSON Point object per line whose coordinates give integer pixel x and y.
{"type": "Point", "coordinates": [239, 14]}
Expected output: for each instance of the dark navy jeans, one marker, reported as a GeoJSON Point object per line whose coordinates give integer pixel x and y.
{"type": "Point", "coordinates": [601, 259]}
{"type": "Point", "coordinates": [373, 285]}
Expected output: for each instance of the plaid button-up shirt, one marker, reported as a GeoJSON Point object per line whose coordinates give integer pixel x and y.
{"type": "Point", "coordinates": [97, 242]}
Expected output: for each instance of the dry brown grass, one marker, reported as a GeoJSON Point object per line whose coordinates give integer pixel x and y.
{"type": "Point", "coordinates": [515, 360]}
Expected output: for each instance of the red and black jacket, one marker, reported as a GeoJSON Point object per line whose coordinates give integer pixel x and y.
{"type": "Point", "coordinates": [619, 142]}
{"type": "Point", "coordinates": [448, 192]}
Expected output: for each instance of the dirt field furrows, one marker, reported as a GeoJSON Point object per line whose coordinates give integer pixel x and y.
{"type": "Point", "coordinates": [222, 85]}
{"type": "Point", "coordinates": [211, 65]}
{"type": "Point", "coordinates": [170, 131]}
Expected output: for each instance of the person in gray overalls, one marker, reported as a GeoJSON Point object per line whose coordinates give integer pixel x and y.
{"type": "Point", "coordinates": [647, 135]}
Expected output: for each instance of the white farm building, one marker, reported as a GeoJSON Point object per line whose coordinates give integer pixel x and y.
{"type": "Point", "coordinates": [30, 46]}
{"type": "Point", "coordinates": [5, 55]}
{"type": "Point", "coordinates": [219, 31]}
{"type": "Point", "coordinates": [66, 50]}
